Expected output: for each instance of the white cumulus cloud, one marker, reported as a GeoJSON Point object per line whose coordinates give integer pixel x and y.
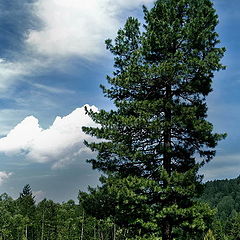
{"type": "Point", "coordinates": [60, 144]}
{"type": "Point", "coordinates": [4, 176]}
{"type": "Point", "coordinates": [73, 27]}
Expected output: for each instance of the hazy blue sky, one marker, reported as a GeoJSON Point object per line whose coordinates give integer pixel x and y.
{"type": "Point", "coordinates": [52, 60]}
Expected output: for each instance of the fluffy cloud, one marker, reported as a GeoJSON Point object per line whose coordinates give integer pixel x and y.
{"type": "Point", "coordinates": [60, 144]}
{"type": "Point", "coordinates": [73, 27]}
{"type": "Point", "coordinates": [4, 176]}
{"type": "Point", "coordinates": [51, 31]}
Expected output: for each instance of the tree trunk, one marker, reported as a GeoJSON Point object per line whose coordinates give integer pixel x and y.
{"type": "Point", "coordinates": [26, 232]}
{"type": "Point", "coordinates": [114, 231]}
{"type": "Point", "coordinates": [101, 235]}
{"type": "Point", "coordinates": [167, 227]}
{"type": "Point", "coordinates": [167, 132]}
{"type": "Point", "coordinates": [94, 231]}
{"type": "Point", "coordinates": [167, 231]}
{"type": "Point", "coordinates": [42, 232]}
{"type": "Point", "coordinates": [82, 226]}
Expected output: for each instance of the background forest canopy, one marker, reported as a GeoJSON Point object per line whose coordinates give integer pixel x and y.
{"type": "Point", "coordinates": [49, 220]}
{"type": "Point", "coordinates": [151, 146]}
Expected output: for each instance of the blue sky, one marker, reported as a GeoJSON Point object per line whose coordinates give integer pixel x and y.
{"type": "Point", "coordinates": [52, 60]}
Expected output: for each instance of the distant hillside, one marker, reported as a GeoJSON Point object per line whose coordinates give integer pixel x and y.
{"type": "Point", "coordinates": [223, 195]}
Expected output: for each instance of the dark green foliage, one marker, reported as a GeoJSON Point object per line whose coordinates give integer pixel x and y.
{"type": "Point", "coordinates": [51, 221]}
{"type": "Point", "coordinates": [162, 76]}
{"type": "Point", "coordinates": [129, 203]}
{"type": "Point", "coordinates": [46, 216]}
{"type": "Point", "coordinates": [126, 199]}
{"type": "Point", "coordinates": [224, 195]}
{"type": "Point", "coordinates": [26, 204]}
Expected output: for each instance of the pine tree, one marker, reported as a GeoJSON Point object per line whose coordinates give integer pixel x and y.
{"type": "Point", "coordinates": [159, 87]}
{"type": "Point", "coordinates": [26, 203]}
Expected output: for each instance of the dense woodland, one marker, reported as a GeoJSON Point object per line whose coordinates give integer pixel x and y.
{"type": "Point", "coordinates": [23, 218]}
{"type": "Point", "coordinates": [224, 197]}
{"type": "Point", "coordinates": [151, 146]}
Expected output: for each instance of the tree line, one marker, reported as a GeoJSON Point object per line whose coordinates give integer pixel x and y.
{"type": "Point", "coordinates": [224, 197]}
{"type": "Point", "coordinates": [24, 219]}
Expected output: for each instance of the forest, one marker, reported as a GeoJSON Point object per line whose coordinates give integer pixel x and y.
{"type": "Point", "coordinates": [23, 218]}
{"type": "Point", "coordinates": [151, 146]}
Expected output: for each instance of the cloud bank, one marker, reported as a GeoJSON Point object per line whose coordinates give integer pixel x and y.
{"type": "Point", "coordinates": [60, 144]}
{"type": "Point", "coordinates": [48, 32]}
{"type": "Point", "coordinates": [73, 27]}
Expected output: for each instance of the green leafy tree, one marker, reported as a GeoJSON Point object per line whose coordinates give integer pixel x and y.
{"type": "Point", "coordinates": [161, 79]}
{"type": "Point", "coordinates": [127, 203]}
{"type": "Point", "coordinates": [233, 227]}
{"type": "Point", "coordinates": [26, 203]}
{"type": "Point", "coordinates": [224, 195]}
{"type": "Point", "coordinates": [46, 217]}
{"type": "Point", "coordinates": [68, 221]}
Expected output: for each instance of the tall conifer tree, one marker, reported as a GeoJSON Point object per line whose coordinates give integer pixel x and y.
{"type": "Point", "coordinates": [26, 203]}
{"type": "Point", "coordinates": [159, 128]}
